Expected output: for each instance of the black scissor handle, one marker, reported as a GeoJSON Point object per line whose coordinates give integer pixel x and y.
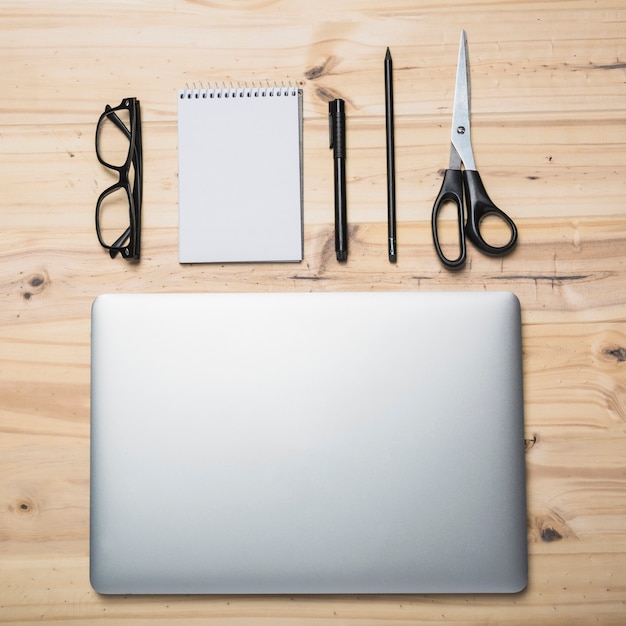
{"type": "Point", "coordinates": [451, 191]}
{"type": "Point", "coordinates": [479, 205]}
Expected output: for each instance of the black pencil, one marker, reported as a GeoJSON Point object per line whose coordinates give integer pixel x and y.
{"type": "Point", "coordinates": [391, 167]}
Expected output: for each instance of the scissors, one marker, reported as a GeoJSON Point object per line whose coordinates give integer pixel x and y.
{"type": "Point", "coordinates": [458, 182]}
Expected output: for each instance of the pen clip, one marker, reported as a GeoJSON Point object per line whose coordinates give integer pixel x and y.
{"type": "Point", "coordinates": [336, 127]}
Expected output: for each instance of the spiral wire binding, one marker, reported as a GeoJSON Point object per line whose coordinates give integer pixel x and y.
{"type": "Point", "coordinates": [239, 91]}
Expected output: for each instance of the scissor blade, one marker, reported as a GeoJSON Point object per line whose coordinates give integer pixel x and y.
{"type": "Point", "coordinates": [460, 133]}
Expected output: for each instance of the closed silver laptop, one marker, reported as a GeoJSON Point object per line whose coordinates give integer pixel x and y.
{"type": "Point", "coordinates": [307, 443]}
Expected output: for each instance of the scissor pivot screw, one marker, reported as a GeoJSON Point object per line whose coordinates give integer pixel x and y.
{"type": "Point", "coordinates": [460, 130]}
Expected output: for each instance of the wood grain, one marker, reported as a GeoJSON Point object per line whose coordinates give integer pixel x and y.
{"type": "Point", "coordinates": [548, 93]}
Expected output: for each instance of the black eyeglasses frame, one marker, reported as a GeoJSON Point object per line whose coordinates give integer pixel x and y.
{"type": "Point", "coordinates": [128, 243]}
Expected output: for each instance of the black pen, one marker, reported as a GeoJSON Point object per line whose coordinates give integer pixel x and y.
{"type": "Point", "coordinates": [337, 124]}
{"type": "Point", "coordinates": [391, 166]}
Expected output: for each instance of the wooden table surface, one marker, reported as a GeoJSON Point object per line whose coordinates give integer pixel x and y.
{"type": "Point", "coordinates": [549, 133]}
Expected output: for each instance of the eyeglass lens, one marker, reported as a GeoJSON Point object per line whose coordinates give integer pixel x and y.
{"type": "Point", "coordinates": [114, 137]}
{"type": "Point", "coordinates": [114, 217]}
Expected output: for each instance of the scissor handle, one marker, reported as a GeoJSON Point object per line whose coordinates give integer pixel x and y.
{"type": "Point", "coordinates": [479, 205]}
{"type": "Point", "coordinates": [451, 191]}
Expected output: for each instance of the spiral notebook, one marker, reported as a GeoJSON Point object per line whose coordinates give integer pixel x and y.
{"type": "Point", "coordinates": [240, 174]}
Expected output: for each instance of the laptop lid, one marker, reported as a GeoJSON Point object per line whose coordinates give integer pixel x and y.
{"type": "Point", "coordinates": [307, 443]}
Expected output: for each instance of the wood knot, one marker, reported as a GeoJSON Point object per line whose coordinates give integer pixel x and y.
{"type": "Point", "coordinates": [531, 443]}
{"type": "Point", "coordinates": [34, 285]}
{"type": "Point", "coordinates": [618, 353]}
{"type": "Point", "coordinates": [553, 528]}
{"type": "Point", "coordinates": [550, 534]}
{"type": "Point", "coordinates": [317, 71]}
{"type": "Point", "coordinates": [314, 72]}
{"type": "Point", "coordinates": [24, 507]}
{"type": "Point", "coordinates": [325, 94]}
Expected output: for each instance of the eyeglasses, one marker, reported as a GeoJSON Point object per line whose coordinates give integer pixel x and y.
{"type": "Point", "coordinates": [118, 210]}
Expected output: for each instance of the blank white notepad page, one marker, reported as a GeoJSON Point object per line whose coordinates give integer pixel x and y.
{"type": "Point", "coordinates": [240, 175]}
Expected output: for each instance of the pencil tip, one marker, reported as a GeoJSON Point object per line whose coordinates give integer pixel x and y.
{"type": "Point", "coordinates": [388, 54]}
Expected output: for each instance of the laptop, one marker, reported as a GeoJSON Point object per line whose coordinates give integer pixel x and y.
{"type": "Point", "coordinates": [307, 443]}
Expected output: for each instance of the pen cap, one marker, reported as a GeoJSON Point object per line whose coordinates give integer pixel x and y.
{"type": "Point", "coordinates": [337, 122]}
